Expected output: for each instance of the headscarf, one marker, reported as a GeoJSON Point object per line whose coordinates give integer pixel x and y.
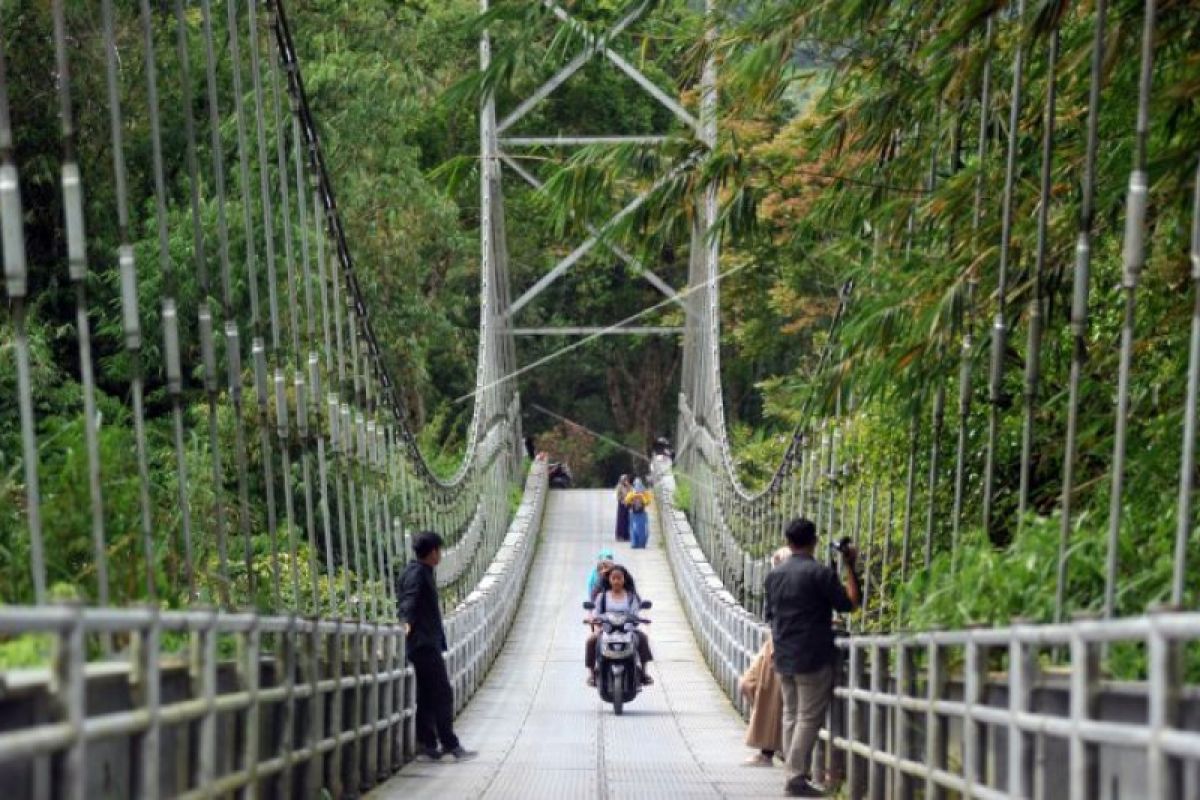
{"type": "Point", "coordinates": [594, 581]}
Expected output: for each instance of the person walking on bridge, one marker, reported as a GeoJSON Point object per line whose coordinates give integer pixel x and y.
{"type": "Point", "coordinates": [638, 503]}
{"type": "Point", "coordinates": [421, 614]}
{"type": "Point", "coordinates": [624, 487]}
{"type": "Point", "coordinates": [802, 595]}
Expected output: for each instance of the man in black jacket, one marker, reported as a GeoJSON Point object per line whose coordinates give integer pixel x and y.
{"type": "Point", "coordinates": [421, 614]}
{"type": "Point", "coordinates": [802, 594]}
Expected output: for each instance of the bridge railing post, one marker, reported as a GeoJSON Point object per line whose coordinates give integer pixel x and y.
{"type": "Point", "coordinates": [936, 736]}
{"type": "Point", "coordinates": [1021, 673]}
{"type": "Point", "coordinates": [877, 720]}
{"type": "Point", "coordinates": [902, 719]}
{"type": "Point", "coordinates": [1083, 753]}
{"type": "Point", "coordinates": [855, 777]}
{"type": "Point", "coordinates": [314, 715]}
{"type": "Point", "coordinates": [337, 653]}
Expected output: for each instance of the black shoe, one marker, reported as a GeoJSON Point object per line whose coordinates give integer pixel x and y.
{"type": "Point", "coordinates": [429, 754]}
{"type": "Point", "coordinates": [461, 754]}
{"type": "Point", "coordinates": [801, 786]}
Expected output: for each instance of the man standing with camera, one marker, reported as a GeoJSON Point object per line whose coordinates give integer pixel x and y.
{"type": "Point", "coordinates": [802, 594]}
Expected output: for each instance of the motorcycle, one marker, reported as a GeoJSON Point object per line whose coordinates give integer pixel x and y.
{"type": "Point", "coordinates": [618, 667]}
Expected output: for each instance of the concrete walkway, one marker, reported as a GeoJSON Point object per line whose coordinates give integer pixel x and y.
{"type": "Point", "coordinates": [542, 733]}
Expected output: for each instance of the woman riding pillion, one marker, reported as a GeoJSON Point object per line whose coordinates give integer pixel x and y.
{"type": "Point", "coordinates": [619, 595]}
{"type": "Point", "coordinates": [595, 583]}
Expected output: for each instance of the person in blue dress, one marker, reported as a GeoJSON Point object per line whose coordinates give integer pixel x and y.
{"type": "Point", "coordinates": [638, 503]}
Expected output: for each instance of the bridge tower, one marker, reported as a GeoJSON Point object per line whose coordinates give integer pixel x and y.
{"type": "Point", "coordinates": [504, 149]}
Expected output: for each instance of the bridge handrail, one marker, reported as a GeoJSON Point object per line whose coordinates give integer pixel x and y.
{"type": "Point", "coordinates": [899, 695]}
{"type": "Point", "coordinates": [477, 627]}
{"type": "Point", "coordinates": [729, 635]}
{"type": "Point", "coordinates": [151, 693]}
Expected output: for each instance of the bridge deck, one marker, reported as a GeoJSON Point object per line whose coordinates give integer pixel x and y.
{"type": "Point", "coordinates": [542, 734]}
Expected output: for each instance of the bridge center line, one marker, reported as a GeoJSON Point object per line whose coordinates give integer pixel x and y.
{"type": "Point", "coordinates": [546, 661]}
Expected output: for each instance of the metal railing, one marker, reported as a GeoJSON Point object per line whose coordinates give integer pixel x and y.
{"type": "Point", "coordinates": [477, 627]}
{"type": "Point", "coordinates": [304, 704]}
{"type": "Point", "coordinates": [978, 713]}
{"type": "Point", "coordinates": [728, 634]}
{"type": "Point", "coordinates": [202, 703]}
{"type": "Point", "coordinates": [975, 713]}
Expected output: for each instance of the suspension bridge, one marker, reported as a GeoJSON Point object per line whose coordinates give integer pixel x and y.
{"type": "Point", "coordinates": [247, 643]}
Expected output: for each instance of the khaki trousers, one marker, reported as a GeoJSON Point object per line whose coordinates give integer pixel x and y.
{"type": "Point", "coordinates": [806, 698]}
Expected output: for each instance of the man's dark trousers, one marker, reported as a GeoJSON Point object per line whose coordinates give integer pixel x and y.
{"type": "Point", "coordinates": [435, 700]}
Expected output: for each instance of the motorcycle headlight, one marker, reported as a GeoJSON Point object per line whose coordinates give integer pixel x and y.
{"type": "Point", "coordinates": [608, 627]}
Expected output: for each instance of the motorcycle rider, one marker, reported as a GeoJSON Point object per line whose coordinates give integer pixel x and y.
{"type": "Point", "coordinates": [618, 595]}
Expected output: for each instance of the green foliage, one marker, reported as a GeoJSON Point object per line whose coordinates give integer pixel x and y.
{"type": "Point", "coordinates": [441, 443]}
{"type": "Point", "coordinates": [683, 493]}
{"type": "Point", "coordinates": [372, 80]}
{"type": "Point", "coordinates": [848, 152]}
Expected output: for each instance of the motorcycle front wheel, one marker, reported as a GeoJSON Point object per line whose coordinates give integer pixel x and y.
{"type": "Point", "coordinates": [618, 692]}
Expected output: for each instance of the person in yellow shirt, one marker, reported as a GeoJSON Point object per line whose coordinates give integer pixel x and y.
{"type": "Point", "coordinates": [638, 503]}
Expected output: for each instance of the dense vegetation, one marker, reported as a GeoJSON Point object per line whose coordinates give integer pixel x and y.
{"type": "Point", "coordinates": [875, 182]}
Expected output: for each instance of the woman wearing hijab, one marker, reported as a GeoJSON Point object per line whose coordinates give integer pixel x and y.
{"type": "Point", "coordinates": [624, 487]}
{"type": "Point", "coordinates": [638, 503]}
{"type": "Point", "coordinates": [760, 686]}
{"type": "Point", "coordinates": [604, 562]}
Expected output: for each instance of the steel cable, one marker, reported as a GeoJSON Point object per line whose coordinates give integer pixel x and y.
{"type": "Point", "coordinates": [1079, 304]}
{"type": "Point", "coordinates": [73, 205]}
{"type": "Point", "coordinates": [1000, 323]}
{"type": "Point", "coordinates": [1033, 350]}
{"type": "Point", "coordinates": [130, 311]}
{"type": "Point", "coordinates": [967, 353]}
{"type": "Point", "coordinates": [1134, 259]}
{"type": "Point", "coordinates": [169, 313]}
{"type": "Point", "coordinates": [16, 276]}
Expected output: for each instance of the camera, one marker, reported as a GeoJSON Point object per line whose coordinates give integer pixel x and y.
{"type": "Point", "coordinates": [841, 544]}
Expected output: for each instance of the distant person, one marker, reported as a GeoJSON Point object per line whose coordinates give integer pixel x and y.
{"type": "Point", "coordinates": [530, 450]}
{"type": "Point", "coordinates": [662, 447]}
{"type": "Point", "coordinates": [638, 502]}
{"type": "Point", "coordinates": [624, 487]}
{"type": "Point", "coordinates": [760, 686]}
{"type": "Point", "coordinates": [420, 613]}
{"type": "Point", "coordinates": [802, 594]}
{"type": "Point", "coordinates": [560, 475]}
